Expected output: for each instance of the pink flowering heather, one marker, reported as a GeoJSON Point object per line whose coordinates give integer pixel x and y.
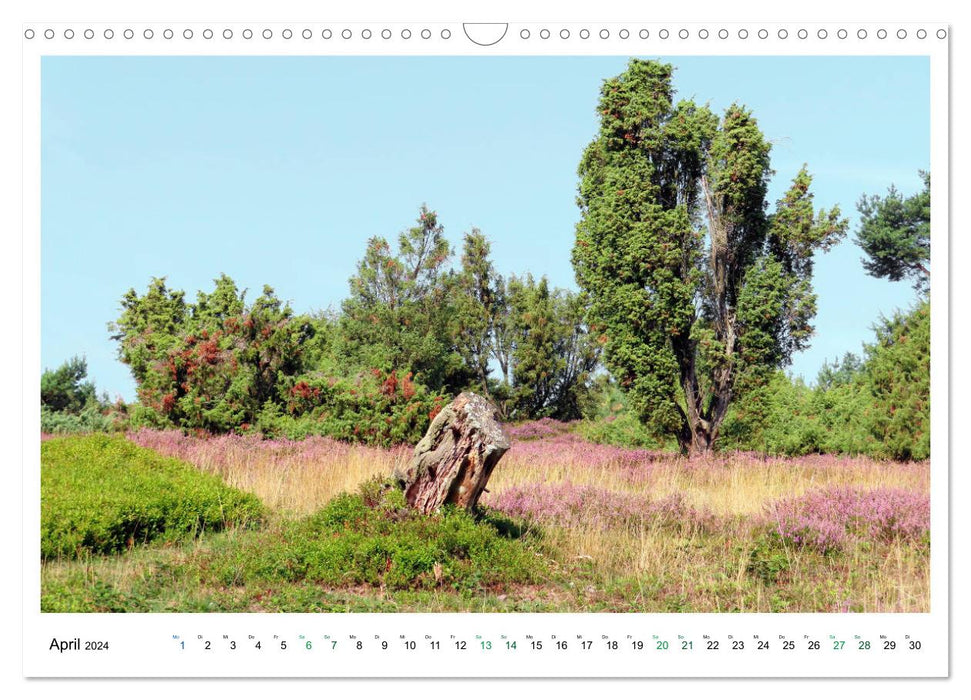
{"type": "Point", "coordinates": [816, 462]}
{"type": "Point", "coordinates": [569, 449]}
{"type": "Point", "coordinates": [542, 428]}
{"type": "Point", "coordinates": [829, 518]}
{"type": "Point", "coordinates": [547, 445]}
{"type": "Point", "coordinates": [568, 505]}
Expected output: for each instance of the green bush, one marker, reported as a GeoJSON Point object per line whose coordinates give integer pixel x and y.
{"type": "Point", "coordinates": [70, 405]}
{"type": "Point", "coordinates": [101, 494]}
{"type": "Point", "coordinates": [623, 431]}
{"type": "Point", "coordinates": [90, 420]}
{"type": "Point", "coordinates": [898, 375]}
{"type": "Point", "coordinates": [372, 538]}
{"type": "Point", "coordinates": [373, 406]}
{"type": "Point", "coordinates": [610, 421]}
{"type": "Point", "coordinates": [63, 389]}
{"type": "Point", "coordinates": [879, 406]}
{"type": "Point", "coordinates": [147, 417]}
{"type": "Point", "coordinates": [769, 559]}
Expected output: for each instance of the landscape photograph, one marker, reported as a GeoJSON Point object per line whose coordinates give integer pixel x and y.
{"type": "Point", "coordinates": [465, 334]}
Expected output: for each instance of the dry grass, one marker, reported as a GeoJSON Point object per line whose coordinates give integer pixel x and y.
{"type": "Point", "coordinates": [300, 477]}
{"type": "Point", "coordinates": [735, 484]}
{"type": "Point", "coordinates": [292, 478]}
{"type": "Point", "coordinates": [645, 567]}
{"type": "Point", "coordinates": [709, 569]}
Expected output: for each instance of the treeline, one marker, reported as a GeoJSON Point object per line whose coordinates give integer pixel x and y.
{"type": "Point", "coordinates": [414, 331]}
{"type": "Point", "coordinates": [878, 405]}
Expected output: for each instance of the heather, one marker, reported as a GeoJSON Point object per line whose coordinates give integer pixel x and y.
{"type": "Point", "coordinates": [829, 518]}
{"type": "Point", "coordinates": [568, 506]}
{"type": "Point", "coordinates": [567, 525]}
{"type": "Point", "coordinates": [535, 429]}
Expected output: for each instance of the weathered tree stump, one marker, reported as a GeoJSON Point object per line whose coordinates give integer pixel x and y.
{"type": "Point", "coordinates": [455, 459]}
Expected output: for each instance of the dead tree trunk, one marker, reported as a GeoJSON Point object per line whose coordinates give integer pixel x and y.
{"type": "Point", "coordinates": [455, 459]}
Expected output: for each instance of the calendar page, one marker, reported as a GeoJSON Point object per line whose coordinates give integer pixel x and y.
{"type": "Point", "coordinates": [516, 349]}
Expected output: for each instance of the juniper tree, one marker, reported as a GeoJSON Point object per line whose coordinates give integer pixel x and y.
{"type": "Point", "coordinates": [696, 290]}
{"type": "Point", "coordinates": [550, 356]}
{"type": "Point", "coordinates": [213, 364]}
{"type": "Point", "coordinates": [398, 314]}
{"type": "Point", "coordinates": [475, 307]}
{"type": "Point", "coordinates": [149, 326]}
{"type": "Point", "coordinates": [536, 362]}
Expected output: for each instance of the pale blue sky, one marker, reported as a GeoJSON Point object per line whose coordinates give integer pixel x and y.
{"type": "Point", "coordinates": [277, 170]}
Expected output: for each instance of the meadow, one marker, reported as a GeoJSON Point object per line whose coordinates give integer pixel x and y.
{"type": "Point", "coordinates": [566, 525]}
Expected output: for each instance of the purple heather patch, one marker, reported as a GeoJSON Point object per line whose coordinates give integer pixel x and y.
{"type": "Point", "coordinates": [829, 518]}
{"type": "Point", "coordinates": [569, 505]}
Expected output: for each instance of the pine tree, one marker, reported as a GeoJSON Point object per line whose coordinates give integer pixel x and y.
{"type": "Point", "coordinates": [895, 234]}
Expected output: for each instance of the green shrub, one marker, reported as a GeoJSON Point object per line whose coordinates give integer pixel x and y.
{"type": "Point", "coordinates": [898, 374]}
{"type": "Point", "coordinates": [372, 538]}
{"type": "Point", "coordinates": [769, 559]}
{"type": "Point", "coordinates": [610, 420]}
{"type": "Point", "coordinates": [101, 494]}
{"type": "Point", "coordinates": [89, 420]}
{"type": "Point", "coordinates": [623, 431]}
{"type": "Point", "coordinates": [70, 405]}
{"type": "Point", "coordinates": [63, 389]}
{"type": "Point", "coordinates": [879, 406]}
{"type": "Point", "coordinates": [372, 406]}
{"type": "Point", "coordinates": [147, 417]}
